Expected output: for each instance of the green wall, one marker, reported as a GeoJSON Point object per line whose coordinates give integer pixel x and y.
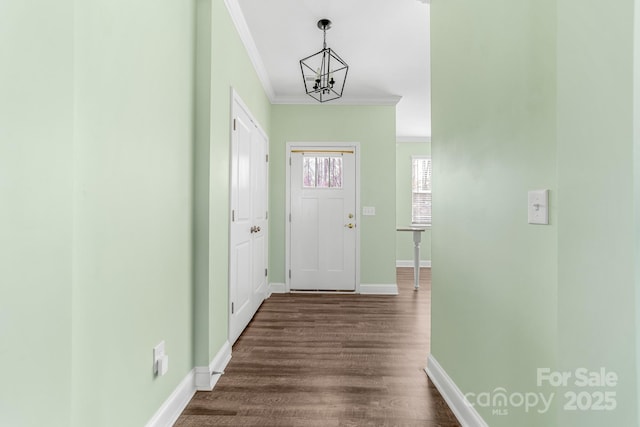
{"type": "Point", "coordinates": [36, 199]}
{"type": "Point", "coordinates": [374, 128]}
{"type": "Point", "coordinates": [404, 240]}
{"type": "Point", "coordinates": [538, 95]}
{"type": "Point", "coordinates": [596, 244]}
{"type": "Point", "coordinates": [132, 287]}
{"type": "Point", "coordinates": [636, 182]}
{"type": "Point", "coordinates": [201, 154]}
{"type": "Point", "coordinates": [494, 310]}
{"type": "Point", "coordinates": [96, 166]}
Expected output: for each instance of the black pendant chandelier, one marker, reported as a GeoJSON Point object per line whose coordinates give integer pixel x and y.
{"type": "Point", "coordinates": [324, 73]}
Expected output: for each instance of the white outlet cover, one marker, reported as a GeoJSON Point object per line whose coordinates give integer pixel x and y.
{"type": "Point", "coordinates": [538, 207]}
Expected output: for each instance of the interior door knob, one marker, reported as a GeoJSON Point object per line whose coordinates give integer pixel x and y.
{"type": "Point", "coordinates": [350, 225]}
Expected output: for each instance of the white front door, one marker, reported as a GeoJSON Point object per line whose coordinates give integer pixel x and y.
{"type": "Point", "coordinates": [323, 219]}
{"type": "Point", "coordinates": [248, 234]}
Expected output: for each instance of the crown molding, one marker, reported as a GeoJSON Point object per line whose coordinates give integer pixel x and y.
{"type": "Point", "coordinates": [304, 100]}
{"type": "Point", "coordinates": [423, 139]}
{"type": "Point", "coordinates": [252, 50]}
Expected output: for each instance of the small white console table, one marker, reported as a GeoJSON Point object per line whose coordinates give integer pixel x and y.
{"type": "Point", "coordinates": [417, 238]}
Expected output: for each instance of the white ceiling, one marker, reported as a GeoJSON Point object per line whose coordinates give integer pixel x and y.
{"type": "Point", "coordinates": [385, 43]}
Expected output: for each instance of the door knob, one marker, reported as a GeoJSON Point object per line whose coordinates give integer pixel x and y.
{"type": "Point", "coordinates": [350, 225]}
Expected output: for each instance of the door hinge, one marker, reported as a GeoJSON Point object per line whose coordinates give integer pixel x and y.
{"type": "Point", "coordinates": [267, 158]}
{"type": "Point", "coordinates": [265, 272]}
{"type": "Point", "coordinates": [233, 215]}
{"type": "Point", "coordinates": [231, 308]}
{"type": "Point", "coordinates": [234, 124]}
{"type": "Point", "coordinates": [289, 273]}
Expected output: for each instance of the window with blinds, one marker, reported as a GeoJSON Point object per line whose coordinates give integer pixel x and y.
{"type": "Point", "coordinates": [421, 191]}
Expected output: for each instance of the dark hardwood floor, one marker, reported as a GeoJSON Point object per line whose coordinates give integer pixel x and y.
{"type": "Point", "coordinates": [330, 360]}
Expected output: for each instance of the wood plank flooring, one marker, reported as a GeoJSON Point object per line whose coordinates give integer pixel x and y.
{"type": "Point", "coordinates": [330, 360]}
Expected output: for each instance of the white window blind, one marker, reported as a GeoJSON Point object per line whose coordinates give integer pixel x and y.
{"type": "Point", "coordinates": [421, 191]}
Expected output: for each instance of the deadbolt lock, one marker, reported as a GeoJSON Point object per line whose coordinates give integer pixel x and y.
{"type": "Point", "coordinates": [350, 216]}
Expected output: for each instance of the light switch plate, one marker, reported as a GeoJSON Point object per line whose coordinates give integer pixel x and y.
{"type": "Point", "coordinates": [158, 355]}
{"type": "Point", "coordinates": [538, 207]}
{"type": "Point", "coordinates": [368, 210]}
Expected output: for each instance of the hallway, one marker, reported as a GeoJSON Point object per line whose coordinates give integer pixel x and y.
{"type": "Point", "coordinates": [330, 360]}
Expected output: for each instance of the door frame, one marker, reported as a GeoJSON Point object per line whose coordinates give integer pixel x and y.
{"type": "Point", "coordinates": [329, 146]}
{"type": "Point", "coordinates": [235, 99]}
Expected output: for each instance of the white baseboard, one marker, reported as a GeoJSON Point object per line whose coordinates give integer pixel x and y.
{"type": "Point", "coordinates": [277, 288]}
{"type": "Point", "coordinates": [464, 412]}
{"type": "Point", "coordinates": [206, 377]}
{"type": "Point", "coordinates": [426, 263]}
{"type": "Point", "coordinates": [379, 289]}
{"type": "Point", "coordinates": [171, 409]}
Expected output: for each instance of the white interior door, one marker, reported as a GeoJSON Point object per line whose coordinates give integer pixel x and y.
{"type": "Point", "coordinates": [248, 234]}
{"type": "Point", "coordinates": [259, 191]}
{"type": "Point", "coordinates": [323, 219]}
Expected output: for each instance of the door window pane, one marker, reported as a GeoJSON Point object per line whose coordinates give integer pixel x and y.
{"type": "Point", "coordinates": [322, 166]}
{"type": "Point", "coordinates": [322, 172]}
{"type": "Point", "coordinates": [309, 172]}
{"type": "Point", "coordinates": [336, 172]}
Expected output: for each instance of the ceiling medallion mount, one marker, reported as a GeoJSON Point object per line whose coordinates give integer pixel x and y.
{"type": "Point", "coordinates": [324, 73]}
{"type": "Point", "coordinates": [324, 24]}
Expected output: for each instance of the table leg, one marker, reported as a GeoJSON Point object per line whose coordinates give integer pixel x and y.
{"type": "Point", "coordinates": [416, 259]}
